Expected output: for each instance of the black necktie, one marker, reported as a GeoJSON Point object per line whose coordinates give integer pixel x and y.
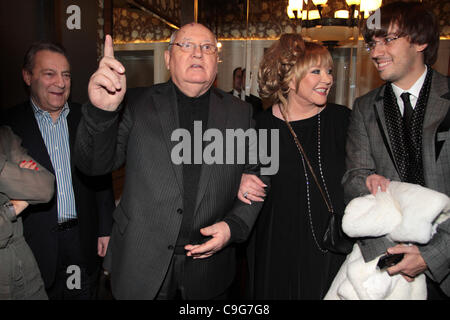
{"type": "Point", "coordinates": [407, 110]}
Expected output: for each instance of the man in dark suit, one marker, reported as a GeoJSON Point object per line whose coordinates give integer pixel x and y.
{"type": "Point", "coordinates": [400, 132]}
{"type": "Point", "coordinates": [68, 234]}
{"type": "Point", "coordinates": [175, 226]}
{"type": "Point", "coordinates": [239, 91]}
{"type": "Point", "coordinates": [252, 99]}
{"type": "Point", "coordinates": [237, 83]}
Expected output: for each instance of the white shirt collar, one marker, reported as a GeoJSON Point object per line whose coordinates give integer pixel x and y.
{"type": "Point", "coordinates": [41, 113]}
{"type": "Point", "coordinates": [240, 95]}
{"type": "Point", "coordinates": [414, 91]}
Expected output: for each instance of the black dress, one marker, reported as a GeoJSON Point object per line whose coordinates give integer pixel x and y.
{"type": "Point", "coordinates": [284, 259]}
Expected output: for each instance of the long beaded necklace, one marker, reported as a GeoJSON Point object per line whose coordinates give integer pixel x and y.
{"type": "Point", "coordinates": [319, 159]}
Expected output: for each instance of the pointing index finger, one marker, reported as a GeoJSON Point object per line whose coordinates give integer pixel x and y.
{"type": "Point", "coordinates": [109, 50]}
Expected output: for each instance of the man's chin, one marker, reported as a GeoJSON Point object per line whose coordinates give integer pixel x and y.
{"type": "Point", "coordinates": [197, 79]}
{"type": "Point", "coordinates": [57, 105]}
{"type": "Point", "coordinates": [384, 75]}
{"type": "Point", "coordinates": [199, 82]}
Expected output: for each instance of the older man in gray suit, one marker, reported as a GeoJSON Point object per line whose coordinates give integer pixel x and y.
{"type": "Point", "coordinates": [176, 223]}
{"type": "Point", "coordinates": [400, 132]}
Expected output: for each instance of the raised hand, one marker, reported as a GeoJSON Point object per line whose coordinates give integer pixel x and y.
{"type": "Point", "coordinates": [107, 85]}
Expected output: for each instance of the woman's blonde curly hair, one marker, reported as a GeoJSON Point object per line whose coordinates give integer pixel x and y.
{"type": "Point", "coordinates": [287, 59]}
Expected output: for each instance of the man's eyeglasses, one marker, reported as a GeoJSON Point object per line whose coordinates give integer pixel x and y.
{"type": "Point", "coordinates": [388, 41]}
{"type": "Point", "coordinates": [189, 47]}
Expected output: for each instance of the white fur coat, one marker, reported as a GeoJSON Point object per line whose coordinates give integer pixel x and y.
{"type": "Point", "coordinates": [405, 213]}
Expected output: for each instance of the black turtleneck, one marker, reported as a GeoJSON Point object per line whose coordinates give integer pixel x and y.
{"type": "Point", "coordinates": [190, 110]}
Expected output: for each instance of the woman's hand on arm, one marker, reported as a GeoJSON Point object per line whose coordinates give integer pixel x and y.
{"type": "Point", "coordinates": [251, 189]}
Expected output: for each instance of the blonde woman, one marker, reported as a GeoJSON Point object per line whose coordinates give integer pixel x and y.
{"type": "Point", "coordinates": [287, 258]}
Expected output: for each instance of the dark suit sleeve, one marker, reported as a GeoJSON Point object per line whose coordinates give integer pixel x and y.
{"type": "Point", "coordinates": [242, 217]}
{"type": "Point", "coordinates": [105, 206]}
{"type": "Point", "coordinates": [359, 161]}
{"type": "Point", "coordinates": [101, 141]}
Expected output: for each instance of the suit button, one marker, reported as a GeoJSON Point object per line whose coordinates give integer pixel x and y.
{"type": "Point", "coordinates": [180, 211]}
{"type": "Point", "coordinates": [170, 247]}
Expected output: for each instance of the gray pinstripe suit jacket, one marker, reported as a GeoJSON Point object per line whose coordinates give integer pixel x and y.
{"type": "Point", "coordinates": [147, 221]}
{"type": "Point", "coordinates": [368, 154]}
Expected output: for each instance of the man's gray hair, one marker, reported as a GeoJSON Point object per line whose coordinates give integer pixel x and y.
{"type": "Point", "coordinates": [172, 39]}
{"type": "Point", "coordinates": [174, 36]}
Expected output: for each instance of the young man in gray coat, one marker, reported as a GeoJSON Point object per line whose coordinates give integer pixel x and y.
{"type": "Point", "coordinates": [400, 132]}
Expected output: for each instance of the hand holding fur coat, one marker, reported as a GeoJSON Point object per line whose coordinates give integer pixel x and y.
{"type": "Point", "coordinates": [406, 213]}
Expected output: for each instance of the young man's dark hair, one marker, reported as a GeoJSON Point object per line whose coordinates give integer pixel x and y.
{"type": "Point", "coordinates": [413, 20]}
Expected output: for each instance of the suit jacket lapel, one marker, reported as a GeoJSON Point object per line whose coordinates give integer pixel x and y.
{"type": "Point", "coordinates": [165, 103]}
{"type": "Point", "coordinates": [437, 109]}
{"type": "Point", "coordinates": [381, 122]}
{"type": "Point", "coordinates": [379, 105]}
{"type": "Point", "coordinates": [217, 118]}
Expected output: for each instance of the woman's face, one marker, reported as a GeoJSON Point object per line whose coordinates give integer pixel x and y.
{"type": "Point", "coordinates": [314, 87]}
